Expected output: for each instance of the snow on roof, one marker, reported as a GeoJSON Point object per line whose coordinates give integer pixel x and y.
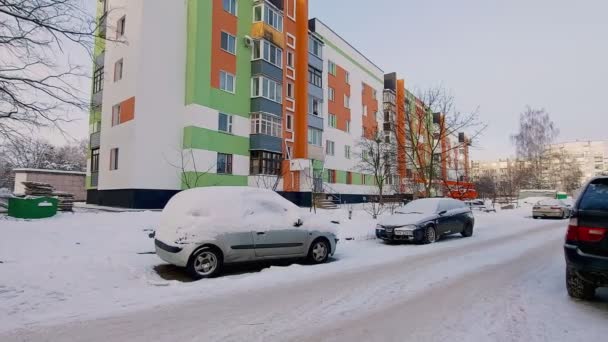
{"type": "Point", "coordinates": [202, 214]}
{"type": "Point", "coordinates": [51, 171]}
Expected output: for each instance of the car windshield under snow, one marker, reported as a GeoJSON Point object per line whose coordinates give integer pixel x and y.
{"type": "Point", "coordinates": [424, 206]}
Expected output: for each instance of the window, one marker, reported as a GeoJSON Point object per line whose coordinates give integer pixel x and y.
{"type": "Point", "coordinates": [98, 80]}
{"type": "Point", "coordinates": [595, 196]}
{"type": "Point", "coordinates": [289, 122]}
{"type": "Point", "coordinates": [374, 94]}
{"type": "Point", "coordinates": [364, 110]}
{"type": "Point", "coordinates": [269, 15]}
{"type": "Point", "coordinates": [347, 152]}
{"type": "Point", "coordinates": [346, 101]}
{"type": "Point", "coordinates": [331, 176]}
{"type": "Point", "coordinates": [267, 124]}
{"type": "Point", "coordinates": [290, 91]}
{"type": "Point", "coordinates": [95, 160]}
{"type": "Point", "coordinates": [116, 115]}
{"type": "Point", "coordinates": [118, 70]}
{"type": "Point", "coordinates": [315, 77]}
{"type": "Point", "coordinates": [267, 88]}
{"type": "Point", "coordinates": [120, 27]}
{"type": "Point", "coordinates": [225, 123]}
{"type": "Point", "coordinates": [364, 179]}
{"type": "Point", "coordinates": [314, 106]}
{"type": "Point", "coordinates": [333, 122]}
{"type": "Point", "coordinates": [290, 59]}
{"type": "Point", "coordinates": [263, 49]}
{"type": "Point", "coordinates": [227, 82]}
{"type": "Point", "coordinates": [331, 94]}
{"type": "Point", "coordinates": [265, 163]}
{"type": "Point", "coordinates": [331, 66]}
{"type": "Point", "coordinates": [228, 43]}
{"type": "Point", "coordinates": [224, 163]}
{"type": "Point", "coordinates": [114, 159]}
{"type": "Point", "coordinates": [230, 6]}
{"type": "Point", "coordinates": [347, 77]}
{"type": "Point", "coordinates": [315, 136]}
{"type": "Point", "coordinates": [315, 47]}
{"type": "Point", "coordinates": [348, 126]}
{"type": "Point", "coordinates": [330, 148]}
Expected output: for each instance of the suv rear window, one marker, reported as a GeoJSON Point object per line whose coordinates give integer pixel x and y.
{"type": "Point", "coordinates": [595, 196]}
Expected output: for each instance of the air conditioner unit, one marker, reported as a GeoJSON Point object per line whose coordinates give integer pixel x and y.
{"type": "Point", "coordinates": [248, 41]}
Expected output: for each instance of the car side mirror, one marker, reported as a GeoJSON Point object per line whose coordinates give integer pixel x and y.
{"type": "Point", "coordinates": [299, 223]}
{"type": "Point", "coordinates": [443, 212]}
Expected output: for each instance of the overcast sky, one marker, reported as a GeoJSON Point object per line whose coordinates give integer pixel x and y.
{"type": "Point", "coordinates": [500, 55]}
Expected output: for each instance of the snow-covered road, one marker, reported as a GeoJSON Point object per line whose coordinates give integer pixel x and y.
{"type": "Point", "coordinates": [504, 284]}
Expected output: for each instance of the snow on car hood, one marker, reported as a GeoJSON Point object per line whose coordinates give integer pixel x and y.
{"type": "Point", "coordinates": [201, 214]}
{"type": "Point", "coordinates": [397, 220]}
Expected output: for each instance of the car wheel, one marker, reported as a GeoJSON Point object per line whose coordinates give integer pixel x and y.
{"type": "Point", "coordinates": [564, 215]}
{"type": "Point", "coordinates": [205, 263]}
{"type": "Point", "coordinates": [430, 235]}
{"type": "Point", "coordinates": [468, 230]}
{"type": "Point", "coordinates": [577, 287]}
{"type": "Point", "coordinates": [319, 252]}
{"type": "Point", "coordinates": [535, 217]}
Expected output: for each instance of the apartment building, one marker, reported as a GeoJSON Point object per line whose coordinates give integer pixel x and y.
{"type": "Point", "coordinates": [237, 93]}
{"type": "Point", "coordinates": [590, 156]}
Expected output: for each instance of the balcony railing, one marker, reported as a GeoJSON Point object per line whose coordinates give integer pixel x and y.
{"type": "Point", "coordinates": [95, 140]}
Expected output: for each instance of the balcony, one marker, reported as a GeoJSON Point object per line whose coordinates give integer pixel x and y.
{"type": "Point", "coordinates": [97, 99]}
{"type": "Point", "coordinates": [261, 67]}
{"type": "Point", "coordinates": [315, 121]}
{"type": "Point", "coordinates": [388, 127]}
{"type": "Point", "coordinates": [315, 61]}
{"type": "Point", "coordinates": [102, 25]}
{"type": "Point", "coordinates": [95, 140]}
{"type": "Point", "coordinates": [262, 142]}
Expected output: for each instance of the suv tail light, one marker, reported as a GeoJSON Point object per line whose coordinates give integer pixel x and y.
{"type": "Point", "coordinates": [584, 234]}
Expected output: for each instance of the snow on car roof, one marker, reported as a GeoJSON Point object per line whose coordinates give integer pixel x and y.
{"type": "Point", "coordinates": [204, 213]}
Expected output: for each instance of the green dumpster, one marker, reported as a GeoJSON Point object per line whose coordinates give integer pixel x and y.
{"type": "Point", "coordinates": [32, 208]}
{"type": "Point", "coordinates": [561, 195]}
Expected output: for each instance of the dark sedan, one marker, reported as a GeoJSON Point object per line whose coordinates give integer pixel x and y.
{"type": "Point", "coordinates": [426, 221]}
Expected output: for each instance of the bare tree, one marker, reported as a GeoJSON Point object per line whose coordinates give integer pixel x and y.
{"type": "Point", "coordinates": [561, 172]}
{"type": "Point", "coordinates": [431, 119]}
{"type": "Point", "coordinates": [189, 171]}
{"type": "Point", "coordinates": [39, 85]}
{"type": "Point", "coordinates": [40, 154]}
{"type": "Point", "coordinates": [486, 187]}
{"type": "Point", "coordinates": [376, 157]}
{"type": "Point", "coordinates": [536, 134]}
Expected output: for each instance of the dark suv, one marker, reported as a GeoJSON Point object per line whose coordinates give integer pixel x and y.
{"type": "Point", "coordinates": [587, 241]}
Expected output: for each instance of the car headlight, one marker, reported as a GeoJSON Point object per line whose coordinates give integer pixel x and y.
{"type": "Point", "coordinates": [379, 227]}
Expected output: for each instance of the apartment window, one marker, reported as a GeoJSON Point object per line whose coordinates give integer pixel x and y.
{"type": "Point", "coordinates": [364, 179]}
{"type": "Point", "coordinates": [263, 49]}
{"type": "Point", "coordinates": [114, 159]}
{"type": "Point", "coordinates": [290, 59]}
{"type": "Point", "coordinates": [347, 152]}
{"type": "Point", "coordinates": [265, 163]}
{"type": "Point", "coordinates": [289, 122]}
{"type": "Point", "coordinates": [269, 15]}
{"type": "Point", "coordinates": [230, 6]}
{"type": "Point", "coordinates": [333, 122]}
{"type": "Point", "coordinates": [374, 94]}
{"type": "Point", "coordinates": [347, 101]}
{"type": "Point", "coordinates": [348, 126]}
{"type": "Point", "coordinates": [331, 176]}
{"type": "Point", "coordinates": [314, 106]}
{"type": "Point", "coordinates": [118, 70]}
{"type": "Point", "coordinates": [315, 77]}
{"type": "Point", "coordinates": [267, 124]}
{"type": "Point", "coordinates": [347, 77]}
{"type": "Point", "coordinates": [116, 115]}
{"type": "Point", "coordinates": [364, 110]}
{"type": "Point", "coordinates": [95, 160]}
{"type": "Point", "coordinates": [227, 82]}
{"type": "Point", "coordinates": [228, 43]}
{"type": "Point", "coordinates": [267, 88]}
{"type": "Point", "coordinates": [315, 47]}
{"type": "Point", "coordinates": [315, 136]}
{"type": "Point", "coordinates": [331, 67]}
{"type": "Point", "coordinates": [98, 80]}
{"type": "Point", "coordinates": [224, 163]}
{"type": "Point", "coordinates": [290, 90]}
{"type": "Point", "coordinates": [330, 148]}
{"type": "Point", "coordinates": [331, 94]}
{"type": "Point", "coordinates": [120, 27]}
{"type": "Point", "coordinates": [225, 123]}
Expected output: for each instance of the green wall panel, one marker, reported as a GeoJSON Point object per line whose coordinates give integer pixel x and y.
{"type": "Point", "coordinates": [212, 179]}
{"type": "Point", "coordinates": [205, 139]}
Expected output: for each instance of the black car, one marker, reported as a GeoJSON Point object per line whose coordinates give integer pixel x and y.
{"type": "Point", "coordinates": [426, 221]}
{"type": "Point", "coordinates": [586, 245]}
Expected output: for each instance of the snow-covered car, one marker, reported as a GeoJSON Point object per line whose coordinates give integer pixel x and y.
{"type": "Point", "coordinates": [207, 228]}
{"type": "Point", "coordinates": [555, 208]}
{"type": "Point", "coordinates": [427, 220]}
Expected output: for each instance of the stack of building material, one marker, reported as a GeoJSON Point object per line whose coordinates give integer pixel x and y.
{"type": "Point", "coordinates": [38, 189]}
{"type": "Point", "coordinates": [66, 201]}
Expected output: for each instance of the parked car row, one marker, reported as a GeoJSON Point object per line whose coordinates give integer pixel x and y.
{"type": "Point", "coordinates": [204, 229]}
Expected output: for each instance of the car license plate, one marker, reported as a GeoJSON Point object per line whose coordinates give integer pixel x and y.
{"type": "Point", "coordinates": [404, 233]}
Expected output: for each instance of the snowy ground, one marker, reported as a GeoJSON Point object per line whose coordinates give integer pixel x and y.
{"type": "Point", "coordinates": [505, 283]}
